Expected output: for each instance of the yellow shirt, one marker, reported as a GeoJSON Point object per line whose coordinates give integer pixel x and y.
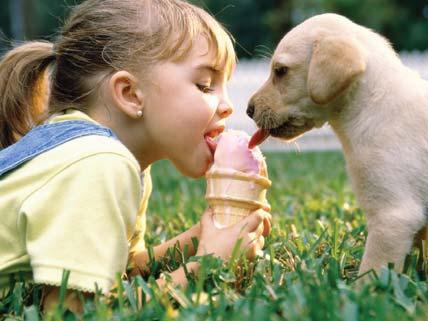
{"type": "Point", "coordinates": [74, 207]}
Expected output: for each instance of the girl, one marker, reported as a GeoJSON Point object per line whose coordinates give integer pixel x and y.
{"type": "Point", "coordinates": [127, 83]}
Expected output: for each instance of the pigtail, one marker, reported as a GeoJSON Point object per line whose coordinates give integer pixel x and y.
{"type": "Point", "coordinates": [23, 89]}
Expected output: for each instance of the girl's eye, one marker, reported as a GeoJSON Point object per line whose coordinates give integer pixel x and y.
{"type": "Point", "coordinates": [205, 89]}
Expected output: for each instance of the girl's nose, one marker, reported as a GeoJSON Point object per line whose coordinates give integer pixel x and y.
{"type": "Point", "coordinates": [224, 109]}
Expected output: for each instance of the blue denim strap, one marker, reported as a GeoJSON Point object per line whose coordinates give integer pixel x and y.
{"type": "Point", "coordinates": [45, 137]}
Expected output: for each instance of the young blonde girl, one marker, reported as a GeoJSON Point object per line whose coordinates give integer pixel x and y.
{"type": "Point", "coordinates": [126, 83]}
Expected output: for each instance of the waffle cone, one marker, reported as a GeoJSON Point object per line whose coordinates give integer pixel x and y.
{"type": "Point", "coordinates": [234, 195]}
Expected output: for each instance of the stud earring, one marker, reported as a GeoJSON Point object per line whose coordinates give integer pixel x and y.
{"type": "Point", "coordinates": [139, 113]}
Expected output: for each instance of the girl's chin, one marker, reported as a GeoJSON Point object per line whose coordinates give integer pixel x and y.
{"type": "Point", "coordinates": [195, 169]}
{"type": "Point", "coordinates": [201, 168]}
{"type": "Point", "coordinates": [196, 164]}
{"type": "Point", "coordinates": [193, 172]}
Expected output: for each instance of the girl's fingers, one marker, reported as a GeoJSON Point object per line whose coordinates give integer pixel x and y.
{"type": "Point", "coordinates": [267, 224]}
{"type": "Point", "coordinates": [255, 245]}
{"type": "Point", "coordinates": [251, 223]}
{"type": "Point", "coordinates": [260, 229]}
{"type": "Point", "coordinates": [207, 217]}
{"type": "Point", "coordinates": [261, 242]}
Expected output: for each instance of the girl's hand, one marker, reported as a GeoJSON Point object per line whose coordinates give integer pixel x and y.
{"type": "Point", "coordinates": [221, 242]}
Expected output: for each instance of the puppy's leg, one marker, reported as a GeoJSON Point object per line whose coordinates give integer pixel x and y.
{"type": "Point", "coordinates": [390, 235]}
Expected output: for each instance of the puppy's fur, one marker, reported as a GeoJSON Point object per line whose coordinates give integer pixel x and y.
{"type": "Point", "coordinates": [329, 69]}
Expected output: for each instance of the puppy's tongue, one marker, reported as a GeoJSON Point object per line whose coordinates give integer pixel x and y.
{"type": "Point", "coordinates": [258, 137]}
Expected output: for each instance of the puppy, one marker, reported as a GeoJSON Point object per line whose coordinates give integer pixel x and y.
{"type": "Point", "coordinates": [331, 70]}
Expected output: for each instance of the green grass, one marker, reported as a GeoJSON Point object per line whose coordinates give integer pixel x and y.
{"type": "Point", "coordinates": [307, 272]}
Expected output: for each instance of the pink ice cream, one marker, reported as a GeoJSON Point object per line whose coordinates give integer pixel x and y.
{"type": "Point", "coordinates": [232, 153]}
{"type": "Point", "coordinates": [237, 181]}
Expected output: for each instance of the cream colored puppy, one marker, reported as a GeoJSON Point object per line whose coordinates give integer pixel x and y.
{"type": "Point", "coordinates": [331, 70]}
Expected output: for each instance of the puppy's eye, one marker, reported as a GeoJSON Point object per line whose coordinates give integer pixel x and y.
{"type": "Point", "coordinates": [280, 71]}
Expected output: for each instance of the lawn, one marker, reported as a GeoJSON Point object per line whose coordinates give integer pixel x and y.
{"type": "Point", "coordinates": [307, 272]}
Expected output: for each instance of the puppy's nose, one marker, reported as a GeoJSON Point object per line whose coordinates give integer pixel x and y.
{"type": "Point", "coordinates": [250, 110]}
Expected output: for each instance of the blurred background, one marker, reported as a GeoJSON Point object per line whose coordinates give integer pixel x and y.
{"type": "Point", "coordinates": [257, 26]}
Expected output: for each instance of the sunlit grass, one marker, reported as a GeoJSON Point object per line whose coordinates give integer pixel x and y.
{"type": "Point", "coordinates": [307, 271]}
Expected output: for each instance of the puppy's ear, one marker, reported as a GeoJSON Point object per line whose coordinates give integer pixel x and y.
{"type": "Point", "coordinates": [336, 61]}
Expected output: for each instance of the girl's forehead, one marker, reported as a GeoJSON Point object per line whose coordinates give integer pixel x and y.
{"type": "Point", "coordinates": [202, 48]}
{"type": "Point", "coordinates": [197, 50]}
{"type": "Point", "coordinates": [204, 51]}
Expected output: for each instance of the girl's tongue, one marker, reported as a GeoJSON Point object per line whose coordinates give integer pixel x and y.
{"type": "Point", "coordinates": [212, 144]}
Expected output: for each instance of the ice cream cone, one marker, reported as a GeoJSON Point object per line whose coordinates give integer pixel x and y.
{"type": "Point", "coordinates": [233, 195]}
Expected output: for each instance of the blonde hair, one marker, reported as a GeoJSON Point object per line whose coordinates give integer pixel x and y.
{"type": "Point", "coordinates": [99, 37]}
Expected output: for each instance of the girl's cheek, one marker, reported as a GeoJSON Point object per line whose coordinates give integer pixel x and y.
{"type": "Point", "coordinates": [212, 101]}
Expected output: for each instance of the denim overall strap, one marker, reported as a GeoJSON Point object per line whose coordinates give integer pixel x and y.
{"type": "Point", "coordinates": [45, 137]}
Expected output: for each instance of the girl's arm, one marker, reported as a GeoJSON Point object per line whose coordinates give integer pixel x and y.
{"type": "Point", "coordinates": [72, 299]}
{"type": "Point", "coordinates": [140, 259]}
{"type": "Point", "coordinates": [179, 276]}
{"type": "Point", "coordinates": [213, 241]}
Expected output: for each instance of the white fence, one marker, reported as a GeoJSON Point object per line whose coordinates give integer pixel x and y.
{"type": "Point", "coordinates": [249, 76]}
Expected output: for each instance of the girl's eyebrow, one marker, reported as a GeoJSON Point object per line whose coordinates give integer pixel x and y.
{"type": "Point", "coordinates": [208, 67]}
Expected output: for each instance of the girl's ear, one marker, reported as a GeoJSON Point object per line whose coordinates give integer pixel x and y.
{"type": "Point", "coordinates": [126, 94]}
